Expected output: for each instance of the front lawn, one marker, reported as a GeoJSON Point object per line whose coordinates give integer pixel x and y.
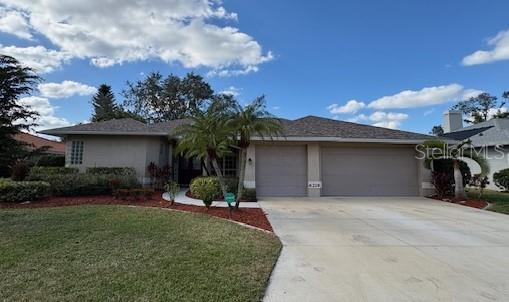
{"type": "Point", "coordinates": [499, 200]}
{"type": "Point", "coordinates": [119, 253]}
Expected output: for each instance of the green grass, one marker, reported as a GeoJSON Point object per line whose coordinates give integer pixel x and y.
{"type": "Point", "coordinates": [499, 200]}
{"type": "Point", "coordinates": [115, 253]}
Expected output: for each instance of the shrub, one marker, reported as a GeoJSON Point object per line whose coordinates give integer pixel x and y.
{"type": "Point", "coordinates": [112, 170]}
{"type": "Point", "coordinates": [206, 188]}
{"type": "Point", "coordinates": [231, 184]}
{"type": "Point", "coordinates": [38, 173]}
{"type": "Point", "coordinates": [479, 182]}
{"type": "Point", "coordinates": [249, 195]}
{"type": "Point", "coordinates": [446, 166]}
{"type": "Point", "coordinates": [158, 175]}
{"type": "Point", "coordinates": [75, 184]}
{"type": "Point", "coordinates": [172, 188]}
{"type": "Point", "coordinates": [51, 160]}
{"type": "Point", "coordinates": [501, 179]}
{"type": "Point", "coordinates": [19, 191]}
{"type": "Point", "coordinates": [20, 170]}
{"type": "Point", "coordinates": [444, 184]}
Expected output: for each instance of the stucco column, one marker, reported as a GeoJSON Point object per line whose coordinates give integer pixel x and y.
{"type": "Point", "coordinates": [314, 180]}
{"type": "Point", "coordinates": [249, 180]}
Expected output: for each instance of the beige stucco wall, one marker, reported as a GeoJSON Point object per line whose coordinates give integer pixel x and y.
{"type": "Point", "coordinates": [313, 168]}
{"type": "Point", "coordinates": [121, 151]}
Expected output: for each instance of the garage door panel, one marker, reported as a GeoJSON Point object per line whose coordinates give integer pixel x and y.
{"type": "Point", "coordinates": [369, 171]}
{"type": "Point", "coordinates": [281, 170]}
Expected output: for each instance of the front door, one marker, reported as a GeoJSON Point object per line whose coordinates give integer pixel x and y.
{"type": "Point", "coordinates": [188, 169]}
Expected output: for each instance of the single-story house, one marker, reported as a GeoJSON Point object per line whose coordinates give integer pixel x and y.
{"type": "Point", "coordinates": [489, 138]}
{"type": "Point", "coordinates": [315, 156]}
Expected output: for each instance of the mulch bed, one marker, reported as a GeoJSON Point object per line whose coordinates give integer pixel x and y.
{"type": "Point", "coordinates": [254, 217]}
{"type": "Point", "coordinates": [474, 203]}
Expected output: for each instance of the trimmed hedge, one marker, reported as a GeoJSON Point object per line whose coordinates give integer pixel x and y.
{"type": "Point", "coordinates": [112, 170]}
{"type": "Point", "coordinates": [19, 191]}
{"type": "Point", "coordinates": [37, 173]}
{"type": "Point", "coordinates": [75, 184]}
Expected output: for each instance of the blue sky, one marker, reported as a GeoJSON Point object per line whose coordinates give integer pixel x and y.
{"type": "Point", "coordinates": [307, 57]}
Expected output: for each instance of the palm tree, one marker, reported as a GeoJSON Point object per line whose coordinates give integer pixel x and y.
{"type": "Point", "coordinates": [438, 149]}
{"type": "Point", "coordinates": [250, 120]}
{"type": "Point", "coordinates": [208, 137]}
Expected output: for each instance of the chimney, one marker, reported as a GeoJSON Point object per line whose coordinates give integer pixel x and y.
{"type": "Point", "coordinates": [453, 120]}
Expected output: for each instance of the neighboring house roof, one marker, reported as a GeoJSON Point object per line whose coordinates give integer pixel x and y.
{"type": "Point", "coordinates": [464, 134]}
{"type": "Point", "coordinates": [35, 142]}
{"type": "Point", "coordinates": [490, 133]}
{"type": "Point", "coordinates": [306, 128]}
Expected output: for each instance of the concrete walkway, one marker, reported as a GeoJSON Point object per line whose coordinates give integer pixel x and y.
{"type": "Point", "coordinates": [387, 249]}
{"type": "Point", "coordinates": [183, 199]}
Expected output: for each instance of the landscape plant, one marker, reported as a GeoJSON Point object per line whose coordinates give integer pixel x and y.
{"type": "Point", "coordinates": [479, 182]}
{"type": "Point", "coordinates": [20, 191]}
{"type": "Point", "coordinates": [172, 188]}
{"type": "Point", "coordinates": [252, 120]}
{"type": "Point", "coordinates": [438, 149]}
{"type": "Point", "coordinates": [207, 137]}
{"type": "Point", "coordinates": [501, 179]}
{"type": "Point", "coordinates": [206, 189]}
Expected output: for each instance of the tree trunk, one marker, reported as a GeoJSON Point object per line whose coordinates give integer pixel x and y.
{"type": "Point", "coordinates": [459, 190]}
{"type": "Point", "coordinates": [219, 175]}
{"type": "Point", "coordinates": [242, 175]}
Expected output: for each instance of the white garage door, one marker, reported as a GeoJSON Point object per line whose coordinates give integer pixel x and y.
{"type": "Point", "coordinates": [281, 170]}
{"type": "Point", "coordinates": [369, 172]}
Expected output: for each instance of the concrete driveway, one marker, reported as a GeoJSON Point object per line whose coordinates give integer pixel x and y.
{"type": "Point", "coordinates": [387, 249]}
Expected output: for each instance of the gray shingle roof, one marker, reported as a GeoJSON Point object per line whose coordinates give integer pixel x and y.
{"type": "Point", "coordinates": [306, 127]}
{"type": "Point", "coordinates": [314, 126]}
{"type": "Point", "coordinates": [496, 132]}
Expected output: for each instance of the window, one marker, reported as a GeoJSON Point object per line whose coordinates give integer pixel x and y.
{"type": "Point", "coordinates": [77, 153]}
{"type": "Point", "coordinates": [230, 165]}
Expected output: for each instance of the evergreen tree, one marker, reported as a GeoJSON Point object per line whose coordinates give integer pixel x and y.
{"type": "Point", "coordinates": [16, 81]}
{"type": "Point", "coordinates": [104, 105]}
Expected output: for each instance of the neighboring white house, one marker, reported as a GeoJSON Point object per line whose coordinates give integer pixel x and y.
{"type": "Point", "coordinates": [314, 157]}
{"type": "Point", "coordinates": [490, 138]}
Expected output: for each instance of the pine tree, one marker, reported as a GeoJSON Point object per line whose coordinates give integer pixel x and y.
{"type": "Point", "coordinates": [16, 81]}
{"type": "Point", "coordinates": [104, 105]}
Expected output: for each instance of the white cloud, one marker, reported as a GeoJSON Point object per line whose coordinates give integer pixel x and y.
{"type": "Point", "coordinates": [118, 31]}
{"type": "Point", "coordinates": [15, 23]}
{"type": "Point", "coordinates": [351, 106]}
{"type": "Point", "coordinates": [470, 93]}
{"type": "Point", "coordinates": [391, 120]}
{"type": "Point", "coordinates": [499, 51]}
{"type": "Point", "coordinates": [46, 118]}
{"type": "Point", "coordinates": [232, 90]}
{"type": "Point", "coordinates": [388, 120]}
{"type": "Point", "coordinates": [65, 89]}
{"type": "Point", "coordinates": [358, 118]}
{"type": "Point", "coordinates": [37, 57]}
{"type": "Point", "coordinates": [419, 98]}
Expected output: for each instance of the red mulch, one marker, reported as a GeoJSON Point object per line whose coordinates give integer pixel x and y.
{"type": "Point", "coordinates": [474, 203]}
{"type": "Point", "coordinates": [254, 217]}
